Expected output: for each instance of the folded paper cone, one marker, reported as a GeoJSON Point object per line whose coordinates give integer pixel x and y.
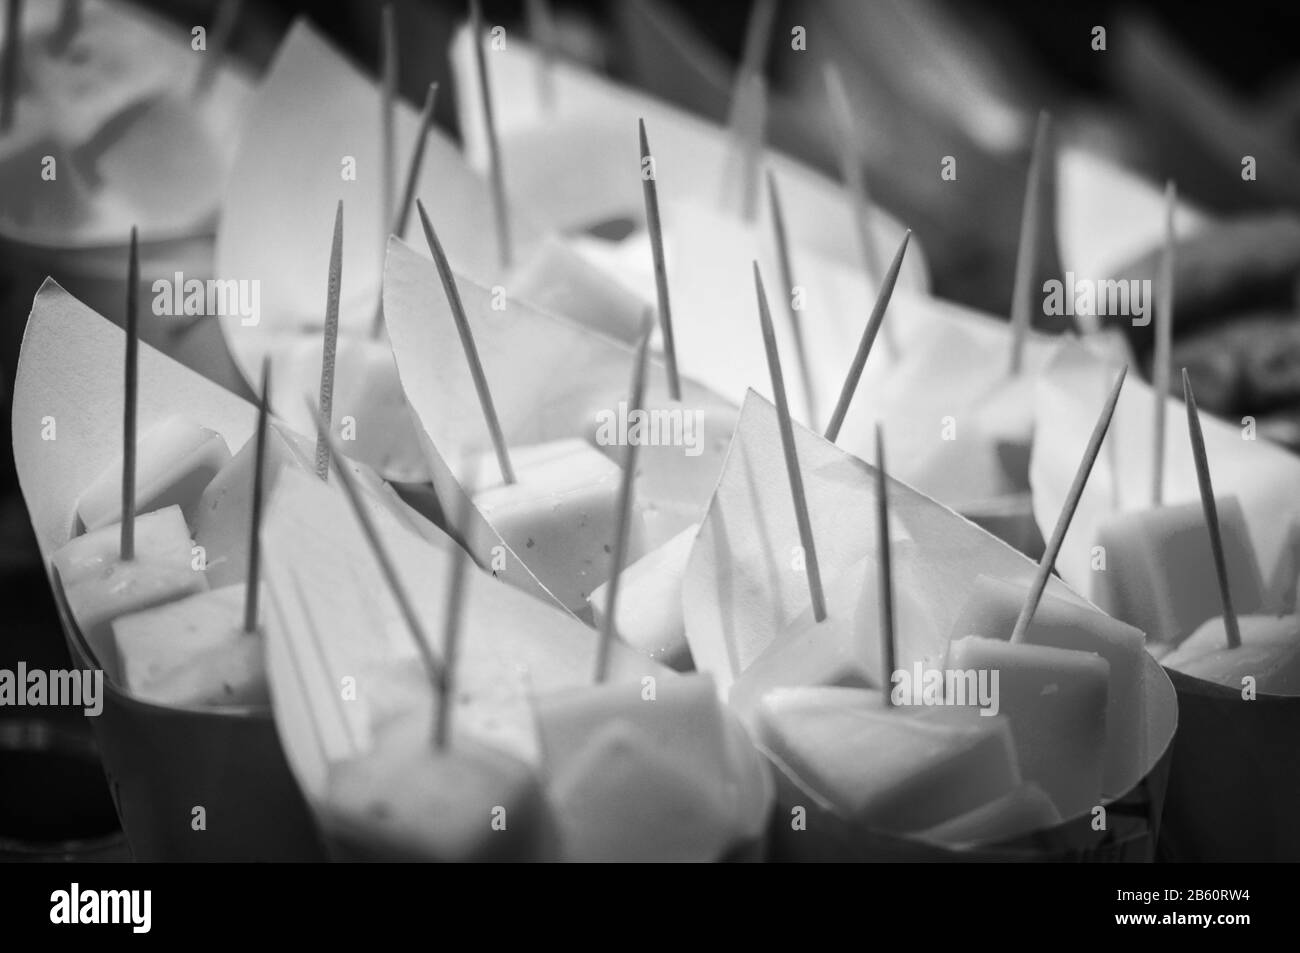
{"type": "Point", "coordinates": [1234, 777]}
{"type": "Point", "coordinates": [163, 762]}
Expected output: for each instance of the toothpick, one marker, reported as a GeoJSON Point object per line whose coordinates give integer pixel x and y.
{"type": "Point", "coordinates": [650, 191]}
{"type": "Point", "coordinates": [331, 342]}
{"type": "Point", "coordinates": [868, 339]}
{"type": "Point", "coordinates": [446, 683]}
{"type": "Point", "coordinates": [467, 343]}
{"type": "Point", "coordinates": [1046, 564]}
{"type": "Point", "coordinates": [255, 524]}
{"type": "Point", "coordinates": [69, 26]}
{"type": "Point", "coordinates": [791, 455]}
{"type": "Point", "coordinates": [1211, 509]}
{"type": "Point", "coordinates": [10, 69]}
{"type": "Point", "coordinates": [387, 567]}
{"type": "Point", "coordinates": [130, 398]}
{"type": "Point", "coordinates": [1022, 291]}
{"type": "Point", "coordinates": [787, 282]}
{"type": "Point", "coordinates": [541, 29]}
{"type": "Point", "coordinates": [1164, 346]}
{"type": "Point", "coordinates": [388, 124]}
{"type": "Point", "coordinates": [888, 645]}
{"type": "Point", "coordinates": [844, 128]}
{"type": "Point", "coordinates": [747, 114]}
{"type": "Point", "coordinates": [618, 558]}
{"type": "Point", "coordinates": [496, 174]}
{"type": "Point", "coordinates": [408, 191]}
{"type": "Point", "coordinates": [218, 42]}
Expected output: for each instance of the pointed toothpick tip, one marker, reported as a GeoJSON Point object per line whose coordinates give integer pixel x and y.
{"type": "Point", "coordinates": [626, 493]}
{"type": "Point", "coordinates": [329, 349]}
{"type": "Point", "coordinates": [1210, 508]}
{"type": "Point", "coordinates": [868, 339]}
{"type": "Point", "coordinates": [253, 580]}
{"type": "Point", "coordinates": [884, 554]}
{"type": "Point", "coordinates": [786, 270]}
{"type": "Point", "coordinates": [1027, 249]}
{"type": "Point", "coordinates": [1053, 549]}
{"type": "Point", "coordinates": [466, 333]}
{"type": "Point", "coordinates": [650, 195]}
{"type": "Point", "coordinates": [795, 475]}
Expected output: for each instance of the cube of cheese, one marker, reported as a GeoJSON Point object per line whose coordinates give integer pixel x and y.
{"type": "Point", "coordinates": [223, 518]}
{"type": "Point", "coordinates": [175, 460]}
{"type": "Point", "coordinates": [406, 800]}
{"type": "Point", "coordinates": [614, 752]}
{"type": "Point", "coordinates": [1269, 653]}
{"type": "Point", "coordinates": [1055, 700]}
{"type": "Point", "coordinates": [991, 613]}
{"type": "Point", "coordinates": [1160, 574]}
{"type": "Point", "coordinates": [649, 613]}
{"type": "Point", "coordinates": [193, 652]}
{"type": "Point", "coordinates": [1022, 811]}
{"type": "Point", "coordinates": [559, 280]}
{"type": "Point", "coordinates": [560, 516]}
{"type": "Point", "coordinates": [898, 770]}
{"type": "Point", "coordinates": [100, 587]}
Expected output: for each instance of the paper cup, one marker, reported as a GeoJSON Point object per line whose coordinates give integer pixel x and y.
{"type": "Point", "coordinates": [164, 763]}
{"type": "Point", "coordinates": [1234, 784]}
{"type": "Point", "coordinates": [1133, 821]}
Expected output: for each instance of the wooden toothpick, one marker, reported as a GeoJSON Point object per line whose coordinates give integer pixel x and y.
{"type": "Point", "coordinates": [255, 524]}
{"type": "Point", "coordinates": [130, 398]}
{"type": "Point", "coordinates": [618, 559]}
{"type": "Point", "coordinates": [387, 567]}
{"type": "Point", "coordinates": [845, 130]}
{"type": "Point", "coordinates": [541, 29]}
{"type": "Point", "coordinates": [330, 348]}
{"type": "Point", "coordinates": [747, 114]}
{"type": "Point", "coordinates": [791, 454]}
{"type": "Point", "coordinates": [497, 176]}
{"type": "Point", "coordinates": [388, 65]}
{"type": "Point", "coordinates": [787, 282]}
{"type": "Point", "coordinates": [1164, 348]}
{"type": "Point", "coordinates": [408, 191]}
{"type": "Point", "coordinates": [451, 629]}
{"type": "Point", "coordinates": [650, 192]}
{"type": "Point", "coordinates": [10, 70]}
{"type": "Point", "coordinates": [864, 344]}
{"type": "Point", "coordinates": [1022, 292]}
{"type": "Point", "coordinates": [1211, 509]}
{"type": "Point", "coordinates": [467, 343]}
{"type": "Point", "coordinates": [218, 43]}
{"type": "Point", "coordinates": [1048, 562]}
{"type": "Point", "coordinates": [884, 556]}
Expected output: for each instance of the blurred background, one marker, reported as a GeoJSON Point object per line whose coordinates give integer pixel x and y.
{"type": "Point", "coordinates": [1181, 91]}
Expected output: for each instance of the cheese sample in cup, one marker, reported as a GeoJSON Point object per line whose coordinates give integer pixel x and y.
{"type": "Point", "coordinates": [1022, 811]}
{"type": "Point", "coordinates": [175, 459]}
{"type": "Point", "coordinates": [1160, 575]}
{"type": "Point", "coordinates": [1055, 700]}
{"type": "Point", "coordinates": [407, 800]}
{"type": "Point", "coordinates": [890, 769]}
{"type": "Point", "coordinates": [223, 518]}
{"type": "Point", "coordinates": [193, 652]}
{"type": "Point", "coordinates": [1269, 653]}
{"type": "Point", "coordinates": [560, 515]}
{"type": "Point", "coordinates": [100, 586]}
{"type": "Point", "coordinates": [640, 771]}
{"type": "Point", "coordinates": [649, 612]}
{"type": "Point", "coordinates": [991, 613]}
{"type": "Point", "coordinates": [556, 278]}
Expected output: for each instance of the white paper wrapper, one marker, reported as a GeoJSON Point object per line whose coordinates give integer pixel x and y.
{"type": "Point", "coordinates": [580, 163]}
{"type": "Point", "coordinates": [315, 115]}
{"type": "Point", "coordinates": [742, 589]}
{"type": "Point", "coordinates": [548, 378]}
{"type": "Point", "coordinates": [1260, 474]}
